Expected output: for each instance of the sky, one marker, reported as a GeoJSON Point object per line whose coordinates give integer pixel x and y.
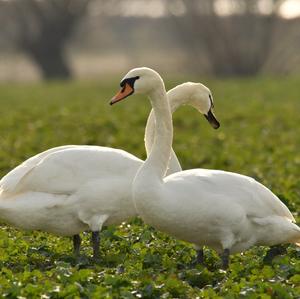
{"type": "Point", "coordinates": [291, 9]}
{"type": "Point", "coordinates": [155, 8]}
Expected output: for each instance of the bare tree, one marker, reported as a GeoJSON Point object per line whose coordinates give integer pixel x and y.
{"type": "Point", "coordinates": [42, 28]}
{"type": "Point", "coordinates": [237, 44]}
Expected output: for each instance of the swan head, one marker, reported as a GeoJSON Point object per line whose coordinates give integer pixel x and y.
{"type": "Point", "coordinates": [196, 95]}
{"type": "Point", "coordinates": [201, 98]}
{"type": "Point", "coordinates": [140, 80]}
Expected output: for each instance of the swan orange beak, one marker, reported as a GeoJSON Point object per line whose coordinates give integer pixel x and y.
{"type": "Point", "coordinates": [125, 92]}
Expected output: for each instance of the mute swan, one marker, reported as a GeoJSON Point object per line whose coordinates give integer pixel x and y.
{"type": "Point", "coordinates": [226, 211]}
{"type": "Point", "coordinates": [69, 189]}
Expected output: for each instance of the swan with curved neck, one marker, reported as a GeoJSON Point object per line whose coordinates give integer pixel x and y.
{"type": "Point", "coordinates": [187, 93]}
{"type": "Point", "coordinates": [226, 211]}
{"type": "Point", "coordinates": [69, 189]}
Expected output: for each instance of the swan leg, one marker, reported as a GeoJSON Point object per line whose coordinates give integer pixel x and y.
{"type": "Point", "coordinates": [76, 244]}
{"type": "Point", "coordinates": [273, 252]}
{"type": "Point", "coordinates": [96, 244]}
{"type": "Point", "coordinates": [225, 258]}
{"type": "Point", "coordinates": [95, 222]}
{"type": "Point", "coordinates": [200, 256]}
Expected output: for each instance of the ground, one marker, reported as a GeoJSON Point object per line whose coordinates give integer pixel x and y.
{"type": "Point", "coordinates": [259, 136]}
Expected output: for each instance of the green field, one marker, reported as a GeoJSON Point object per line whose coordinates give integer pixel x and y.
{"type": "Point", "coordinates": [259, 137]}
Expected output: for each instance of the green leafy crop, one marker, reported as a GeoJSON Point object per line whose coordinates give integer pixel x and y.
{"type": "Point", "coordinates": [259, 137]}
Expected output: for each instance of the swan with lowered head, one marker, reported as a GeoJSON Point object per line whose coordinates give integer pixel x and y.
{"type": "Point", "coordinates": [226, 211]}
{"type": "Point", "coordinates": [69, 189]}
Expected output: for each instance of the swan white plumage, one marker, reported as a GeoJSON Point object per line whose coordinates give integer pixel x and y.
{"type": "Point", "coordinates": [226, 211]}
{"type": "Point", "coordinates": [68, 189]}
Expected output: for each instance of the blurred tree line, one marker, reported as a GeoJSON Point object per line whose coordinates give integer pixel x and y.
{"type": "Point", "coordinates": [243, 42]}
{"type": "Point", "coordinates": [42, 28]}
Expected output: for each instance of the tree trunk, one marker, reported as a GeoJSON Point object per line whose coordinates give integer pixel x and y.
{"type": "Point", "coordinates": [45, 26]}
{"type": "Point", "coordinates": [51, 62]}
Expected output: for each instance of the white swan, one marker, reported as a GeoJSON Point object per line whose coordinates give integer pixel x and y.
{"type": "Point", "coordinates": [226, 211]}
{"type": "Point", "coordinates": [69, 189]}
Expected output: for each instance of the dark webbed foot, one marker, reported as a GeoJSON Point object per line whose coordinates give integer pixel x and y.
{"type": "Point", "coordinates": [96, 244]}
{"type": "Point", "coordinates": [273, 252]}
{"type": "Point", "coordinates": [225, 259]}
{"type": "Point", "coordinates": [76, 245]}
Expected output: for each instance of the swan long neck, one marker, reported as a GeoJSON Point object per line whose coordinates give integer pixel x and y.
{"type": "Point", "coordinates": [175, 100]}
{"type": "Point", "coordinates": [158, 159]}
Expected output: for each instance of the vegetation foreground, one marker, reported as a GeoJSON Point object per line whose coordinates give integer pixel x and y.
{"type": "Point", "coordinates": [259, 137]}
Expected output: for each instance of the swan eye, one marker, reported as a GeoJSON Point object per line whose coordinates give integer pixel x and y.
{"type": "Point", "coordinates": [129, 81]}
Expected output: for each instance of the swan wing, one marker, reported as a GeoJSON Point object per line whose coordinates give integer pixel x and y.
{"type": "Point", "coordinates": [256, 200]}
{"type": "Point", "coordinates": [10, 181]}
{"type": "Point", "coordinates": [64, 171]}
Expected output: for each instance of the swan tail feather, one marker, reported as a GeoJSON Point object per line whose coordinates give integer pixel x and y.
{"type": "Point", "coordinates": [298, 236]}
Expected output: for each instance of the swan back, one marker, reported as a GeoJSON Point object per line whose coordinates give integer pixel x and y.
{"type": "Point", "coordinates": [254, 197]}
{"type": "Point", "coordinates": [62, 170]}
{"type": "Point", "coordinates": [10, 181]}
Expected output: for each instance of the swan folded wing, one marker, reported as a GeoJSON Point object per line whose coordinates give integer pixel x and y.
{"type": "Point", "coordinates": [271, 201]}
{"type": "Point", "coordinates": [10, 181]}
{"type": "Point", "coordinates": [64, 171]}
{"type": "Point", "coordinates": [256, 199]}
{"type": "Point", "coordinates": [58, 173]}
